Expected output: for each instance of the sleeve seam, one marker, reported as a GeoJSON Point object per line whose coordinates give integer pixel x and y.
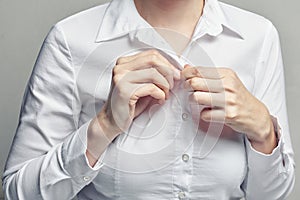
{"type": "Point", "coordinates": [261, 53]}
{"type": "Point", "coordinates": [75, 90]}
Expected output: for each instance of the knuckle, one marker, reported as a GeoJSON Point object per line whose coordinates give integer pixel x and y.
{"type": "Point", "coordinates": [116, 69]}
{"type": "Point", "coordinates": [231, 99]}
{"type": "Point", "coordinates": [229, 84]}
{"type": "Point", "coordinates": [226, 70]}
{"type": "Point", "coordinates": [152, 88]}
{"type": "Point", "coordinates": [120, 60]}
{"type": "Point", "coordinates": [231, 73]}
{"type": "Point", "coordinates": [149, 61]}
{"type": "Point", "coordinates": [116, 79]}
{"type": "Point", "coordinates": [193, 82]}
{"type": "Point", "coordinates": [196, 71]}
{"type": "Point", "coordinates": [231, 113]}
{"type": "Point", "coordinates": [195, 96]}
{"type": "Point", "coordinates": [152, 59]}
{"type": "Point", "coordinates": [153, 72]}
{"type": "Point", "coordinates": [154, 52]}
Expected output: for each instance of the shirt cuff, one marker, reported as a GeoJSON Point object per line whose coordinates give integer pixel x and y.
{"type": "Point", "coordinates": [75, 159]}
{"type": "Point", "coordinates": [259, 161]}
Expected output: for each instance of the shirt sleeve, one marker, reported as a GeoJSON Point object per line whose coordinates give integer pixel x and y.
{"type": "Point", "coordinates": [271, 176]}
{"type": "Point", "coordinates": [47, 159]}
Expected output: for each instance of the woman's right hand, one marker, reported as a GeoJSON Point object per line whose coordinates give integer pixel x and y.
{"type": "Point", "coordinates": [137, 81]}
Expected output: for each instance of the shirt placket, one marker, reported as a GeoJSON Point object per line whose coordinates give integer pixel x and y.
{"type": "Point", "coordinates": [182, 168]}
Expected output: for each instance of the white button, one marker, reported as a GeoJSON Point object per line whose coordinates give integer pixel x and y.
{"type": "Point", "coordinates": [185, 157]}
{"type": "Point", "coordinates": [181, 195]}
{"type": "Point", "coordinates": [185, 116]}
{"type": "Point", "coordinates": [86, 178]}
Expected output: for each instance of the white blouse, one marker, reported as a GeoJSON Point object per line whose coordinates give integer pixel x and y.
{"type": "Point", "coordinates": [164, 154]}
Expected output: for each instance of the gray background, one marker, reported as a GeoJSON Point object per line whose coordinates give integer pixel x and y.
{"type": "Point", "coordinates": [24, 25]}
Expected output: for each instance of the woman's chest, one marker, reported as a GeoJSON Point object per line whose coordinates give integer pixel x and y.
{"type": "Point", "coordinates": [219, 175]}
{"type": "Point", "coordinates": [165, 154]}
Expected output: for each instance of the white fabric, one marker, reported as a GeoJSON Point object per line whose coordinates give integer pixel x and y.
{"type": "Point", "coordinates": [164, 155]}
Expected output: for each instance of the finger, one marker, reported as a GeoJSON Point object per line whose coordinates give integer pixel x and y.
{"type": "Point", "coordinates": [203, 72]}
{"type": "Point", "coordinates": [148, 89]}
{"type": "Point", "coordinates": [206, 85]}
{"type": "Point", "coordinates": [213, 115]}
{"type": "Point", "coordinates": [208, 99]}
{"type": "Point", "coordinates": [155, 62]}
{"type": "Point", "coordinates": [149, 75]}
{"type": "Point", "coordinates": [149, 59]}
{"type": "Point", "coordinates": [142, 63]}
{"type": "Point", "coordinates": [142, 104]}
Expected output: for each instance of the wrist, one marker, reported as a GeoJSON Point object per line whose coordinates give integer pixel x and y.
{"type": "Point", "coordinates": [108, 129]}
{"type": "Point", "coordinates": [266, 140]}
{"type": "Point", "coordinates": [99, 136]}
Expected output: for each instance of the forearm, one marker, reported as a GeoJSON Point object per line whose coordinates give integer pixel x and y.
{"type": "Point", "coordinates": [99, 136]}
{"type": "Point", "coordinates": [268, 140]}
{"type": "Point", "coordinates": [59, 174]}
{"type": "Point", "coordinates": [270, 166]}
{"type": "Point", "coordinates": [270, 176]}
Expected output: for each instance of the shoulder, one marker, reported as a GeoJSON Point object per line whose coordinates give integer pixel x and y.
{"type": "Point", "coordinates": [80, 27]}
{"type": "Point", "coordinates": [253, 26]}
{"type": "Point", "coordinates": [81, 20]}
{"type": "Point", "coordinates": [77, 33]}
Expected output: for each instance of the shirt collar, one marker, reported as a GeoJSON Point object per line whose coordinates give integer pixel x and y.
{"type": "Point", "coordinates": [121, 18]}
{"type": "Point", "coordinates": [214, 19]}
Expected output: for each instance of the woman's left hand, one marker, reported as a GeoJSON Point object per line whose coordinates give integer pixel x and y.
{"type": "Point", "coordinates": [228, 101]}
